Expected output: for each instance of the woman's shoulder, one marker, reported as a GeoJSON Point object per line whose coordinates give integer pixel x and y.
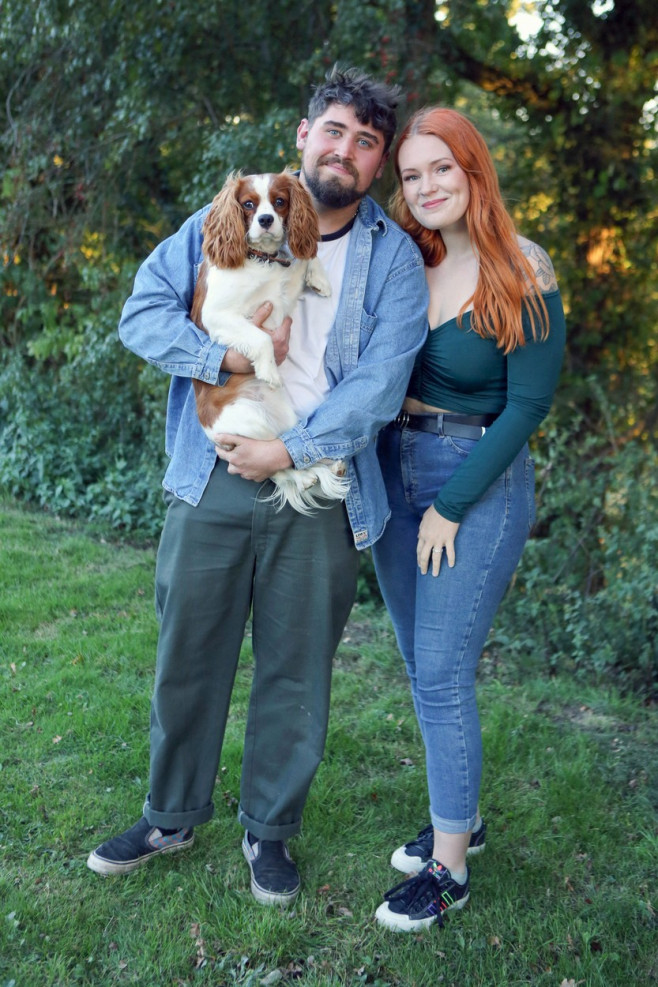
{"type": "Point", "coordinates": [541, 264]}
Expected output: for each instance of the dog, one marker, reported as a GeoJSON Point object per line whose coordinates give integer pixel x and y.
{"type": "Point", "coordinates": [248, 223]}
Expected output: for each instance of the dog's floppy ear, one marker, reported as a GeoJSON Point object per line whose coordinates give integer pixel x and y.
{"type": "Point", "coordinates": [224, 230]}
{"type": "Point", "coordinates": [303, 230]}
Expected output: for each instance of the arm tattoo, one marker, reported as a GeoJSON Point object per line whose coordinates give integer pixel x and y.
{"type": "Point", "coordinates": [542, 266]}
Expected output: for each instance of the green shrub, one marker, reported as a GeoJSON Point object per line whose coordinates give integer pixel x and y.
{"type": "Point", "coordinates": [585, 598]}
{"type": "Point", "coordinates": [85, 440]}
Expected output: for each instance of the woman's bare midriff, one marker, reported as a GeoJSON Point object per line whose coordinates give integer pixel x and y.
{"type": "Point", "coordinates": [416, 407]}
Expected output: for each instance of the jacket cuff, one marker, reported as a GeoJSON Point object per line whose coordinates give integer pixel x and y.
{"type": "Point", "coordinates": [208, 363]}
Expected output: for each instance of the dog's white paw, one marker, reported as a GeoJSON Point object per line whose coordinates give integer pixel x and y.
{"type": "Point", "coordinates": [266, 370]}
{"type": "Point", "coordinates": [317, 279]}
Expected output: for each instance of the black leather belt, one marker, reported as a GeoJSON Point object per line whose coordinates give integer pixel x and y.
{"type": "Point", "coordinates": [459, 426]}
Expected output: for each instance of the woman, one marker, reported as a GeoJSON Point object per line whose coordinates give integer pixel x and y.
{"type": "Point", "coordinates": [459, 478]}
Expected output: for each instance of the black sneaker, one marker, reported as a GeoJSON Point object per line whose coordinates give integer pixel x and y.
{"type": "Point", "coordinates": [131, 849]}
{"type": "Point", "coordinates": [422, 900]}
{"type": "Point", "coordinates": [274, 874]}
{"type": "Point", "coordinates": [413, 856]}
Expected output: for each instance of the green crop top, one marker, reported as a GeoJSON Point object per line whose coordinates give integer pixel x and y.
{"type": "Point", "coordinates": [460, 371]}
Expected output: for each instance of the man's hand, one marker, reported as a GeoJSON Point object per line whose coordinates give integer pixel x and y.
{"type": "Point", "coordinates": [253, 459]}
{"type": "Point", "coordinates": [435, 534]}
{"type": "Point", "coordinates": [236, 363]}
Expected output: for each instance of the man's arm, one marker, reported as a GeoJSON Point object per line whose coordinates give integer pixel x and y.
{"type": "Point", "coordinates": [370, 394]}
{"type": "Point", "coordinates": [155, 322]}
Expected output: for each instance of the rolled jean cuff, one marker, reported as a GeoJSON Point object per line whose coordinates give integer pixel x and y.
{"type": "Point", "coordinates": [267, 831]}
{"type": "Point", "coordinates": [178, 820]}
{"type": "Point", "coordinates": [453, 826]}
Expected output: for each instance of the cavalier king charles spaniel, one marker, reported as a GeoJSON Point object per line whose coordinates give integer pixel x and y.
{"type": "Point", "coordinates": [244, 265]}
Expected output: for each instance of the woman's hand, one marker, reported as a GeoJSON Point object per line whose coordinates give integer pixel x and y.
{"type": "Point", "coordinates": [435, 535]}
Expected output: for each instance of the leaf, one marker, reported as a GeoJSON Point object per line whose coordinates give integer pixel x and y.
{"type": "Point", "coordinates": [272, 978]}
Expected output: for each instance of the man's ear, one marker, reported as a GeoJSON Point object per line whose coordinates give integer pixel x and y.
{"type": "Point", "coordinates": [380, 171]}
{"type": "Point", "coordinates": [302, 134]}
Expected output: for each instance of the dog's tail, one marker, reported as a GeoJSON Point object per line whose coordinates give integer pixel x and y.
{"type": "Point", "coordinates": [307, 490]}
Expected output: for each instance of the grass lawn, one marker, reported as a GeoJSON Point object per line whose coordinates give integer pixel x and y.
{"type": "Point", "coordinates": [565, 894]}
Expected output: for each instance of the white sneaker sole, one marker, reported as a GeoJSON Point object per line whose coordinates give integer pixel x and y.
{"type": "Point", "coordinates": [107, 867]}
{"type": "Point", "coordinates": [402, 923]}
{"type": "Point", "coordinates": [281, 898]}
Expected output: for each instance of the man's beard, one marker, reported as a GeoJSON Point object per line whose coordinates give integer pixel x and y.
{"type": "Point", "coordinates": [331, 192]}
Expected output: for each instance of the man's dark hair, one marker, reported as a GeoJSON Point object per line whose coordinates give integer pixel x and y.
{"type": "Point", "coordinates": [373, 102]}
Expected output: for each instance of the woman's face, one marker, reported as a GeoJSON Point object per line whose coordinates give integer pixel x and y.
{"type": "Point", "coordinates": [434, 186]}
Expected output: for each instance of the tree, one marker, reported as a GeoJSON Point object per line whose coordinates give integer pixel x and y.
{"type": "Point", "coordinates": [120, 119]}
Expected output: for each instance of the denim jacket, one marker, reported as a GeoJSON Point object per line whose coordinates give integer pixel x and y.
{"type": "Point", "coordinates": [380, 325]}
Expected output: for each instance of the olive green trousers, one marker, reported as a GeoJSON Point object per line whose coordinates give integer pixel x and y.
{"type": "Point", "coordinates": [230, 556]}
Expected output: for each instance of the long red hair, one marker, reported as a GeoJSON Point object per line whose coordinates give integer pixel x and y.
{"type": "Point", "coordinates": [507, 285]}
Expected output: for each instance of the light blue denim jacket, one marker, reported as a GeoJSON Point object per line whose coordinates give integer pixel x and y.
{"type": "Point", "coordinates": [380, 325]}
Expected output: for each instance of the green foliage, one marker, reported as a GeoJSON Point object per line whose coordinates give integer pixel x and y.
{"type": "Point", "coordinates": [81, 420]}
{"type": "Point", "coordinates": [80, 453]}
{"type": "Point", "coordinates": [584, 601]}
{"type": "Point", "coordinates": [258, 145]}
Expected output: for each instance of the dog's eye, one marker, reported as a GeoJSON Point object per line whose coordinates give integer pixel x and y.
{"type": "Point", "coordinates": [248, 205]}
{"type": "Point", "coordinates": [279, 202]}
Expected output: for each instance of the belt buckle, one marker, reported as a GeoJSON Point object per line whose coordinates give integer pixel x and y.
{"type": "Point", "coordinates": [402, 419]}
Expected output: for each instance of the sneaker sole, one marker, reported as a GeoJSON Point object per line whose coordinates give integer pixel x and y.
{"type": "Point", "coordinates": [412, 865]}
{"type": "Point", "coordinates": [106, 867]}
{"type": "Point", "coordinates": [281, 898]}
{"type": "Point", "coordinates": [402, 923]}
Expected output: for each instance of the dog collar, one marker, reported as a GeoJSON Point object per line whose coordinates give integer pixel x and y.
{"type": "Point", "coordinates": [270, 258]}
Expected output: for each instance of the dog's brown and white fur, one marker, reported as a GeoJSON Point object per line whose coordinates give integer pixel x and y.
{"type": "Point", "coordinates": [248, 223]}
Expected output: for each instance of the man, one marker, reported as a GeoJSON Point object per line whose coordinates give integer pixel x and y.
{"type": "Point", "coordinates": [224, 548]}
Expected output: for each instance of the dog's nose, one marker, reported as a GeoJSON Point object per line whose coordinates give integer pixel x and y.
{"type": "Point", "coordinates": [265, 221]}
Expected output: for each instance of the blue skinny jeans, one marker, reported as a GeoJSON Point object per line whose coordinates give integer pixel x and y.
{"type": "Point", "coordinates": [441, 623]}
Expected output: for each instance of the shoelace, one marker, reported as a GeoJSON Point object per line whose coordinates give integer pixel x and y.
{"type": "Point", "coordinates": [424, 886]}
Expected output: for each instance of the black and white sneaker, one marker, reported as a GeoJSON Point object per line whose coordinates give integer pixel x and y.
{"type": "Point", "coordinates": [412, 857]}
{"type": "Point", "coordinates": [131, 849]}
{"type": "Point", "coordinates": [274, 874]}
{"type": "Point", "coordinates": [421, 901]}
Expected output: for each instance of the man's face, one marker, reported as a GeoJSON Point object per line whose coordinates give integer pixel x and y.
{"type": "Point", "coordinates": [341, 157]}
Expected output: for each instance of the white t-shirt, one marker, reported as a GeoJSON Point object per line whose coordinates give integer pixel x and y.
{"type": "Point", "coordinates": [302, 371]}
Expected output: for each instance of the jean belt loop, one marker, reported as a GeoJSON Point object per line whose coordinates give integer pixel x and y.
{"type": "Point", "coordinates": [439, 424]}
